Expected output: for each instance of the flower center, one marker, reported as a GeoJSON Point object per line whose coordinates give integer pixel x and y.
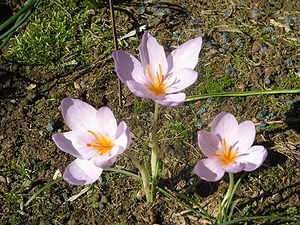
{"type": "Point", "coordinates": [103, 144]}
{"type": "Point", "coordinates": [157, 83]}
{"type": "Point", "coordinates": [227, 156]}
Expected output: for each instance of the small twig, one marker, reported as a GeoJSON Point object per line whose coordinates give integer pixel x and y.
{"type": "Point", "coordinates": [116, 47]}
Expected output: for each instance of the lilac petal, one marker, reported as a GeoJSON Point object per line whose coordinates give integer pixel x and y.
{"type": "Point", "coordinates": [209, 169]}
{"type": "Point", "coordinates": [106, 123]}
{"type": "Point", "coordinates": [181, 79]}
{"type": "Point", "coordinates": [123, 138]}
{"type": "Point", "coordinates": [152, 53]}
{"type": "Point", "coordinates": [254, 158]}
{"type": "Point", "coordinates": [186, 55]}
{"type": "Point", "coordinates": [140, 90]}
{"type": "Point", "coordinates": [127, 67]}
{"type": "Point", "coordinates": [82, 172]}
{"type": "Point", "coordinates": [225, 126]}
{"type": "Point", "coordinates": [208, 143]}
{"type": "Point", "coordinates": [171, 99]}
{"type": "Point", "coordinates": [77, 114]}
{"type": "Point", "coordinates": [74, 143]}
{"type": "Point", "coordinates": [109, 158]}
{"type": "Point", "coordinates": [245, 136]}
{"type": "Point", "coordinates": [234, 167]}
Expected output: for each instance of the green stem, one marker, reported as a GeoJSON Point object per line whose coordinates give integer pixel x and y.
{"type": "Point", "coordinates": [144, 175]}
{"type": "Point", "coordinates": [154, 153]}
{"type": "Point", "coordinates": [225, 203]}
{"type": "Point", "coordinates": [17, 14]}
{"type": "Point", "coordinates": [239, 94]}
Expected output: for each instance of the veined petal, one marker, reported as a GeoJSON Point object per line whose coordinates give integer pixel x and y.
{"type": "Point", "coordinates": [152, 53]}
{"type": "Point", "coordinates": [123, 138]}
{"type": "Point", "coordinates": [186, 55]}
{"type": "Point", "coordinates": [209, 169]}
{"type": "Point", "coordinates": [254, 157]}
{"type": "Point", "coordinates": [225, 126]}
{"type": "Point", "coordinates": [109, 158]}
{"type": "Point", "coordinates": [77, 114]}
{"type": "Point", "coordinates": [171, 99]}
{"type": "Point", "coordinates": [208, 143]}
{"type": "Point", "coordinates": [106, 123]}
{"type": "Point", "coordinates": [82, 172]}
{"type": "Point", "coordinates": [74, 143]}
{"type": "Point", "coordinates": [234, 167]}
{"type": "Point", "coordinates": [181, 79]}
{"type": "Point", "coordinates": [245, 136]}
{"type": "Point", "coordinates": [127, 67]}
{"type": "Point", "coordinates": [140, 90]}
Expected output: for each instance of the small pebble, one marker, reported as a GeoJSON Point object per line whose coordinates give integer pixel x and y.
{"type": "Point", "coordinates": [210, 99]}
{"type": "Point", "coordinates": [201, 111]}
{"type": "Point", "coordinates": [231, 71]}
{"type": "Point", "coordinates": [239, 43]}
{"type": "Point", "coordinates": [83, 84]}
{"type": "Point", "coordinates": [292, 102]}
{"type": "Point", "coordinates": [270, 116]}
{"type": "Point", "coordinates": [267, 81]}
{"type": "Point", "coordinates": [226, 14]}
{"type": "Point", "coordinates": [261, 126]}
{"type": "Point", "coordinates": [263, 49]}
{"type": "Point", "coordinates": [174, 33]}
{"type": "Point", "coordinates": [142, 10]}
{"type": "Point", "coordinates": [269, 29]}
{"type": "Point", "coordinates": [222, 50]}
{"type": "Point", "coordinates": [154, 8]}
{"type": "Point", "coordinates": [274, 37]}
{"type": "Point", "coordinates": [289, 20]}
{"type": "Point", "coordinates": [290, 62]}
{"type": "Point", "coordinates": [255, 12]}
{"type": "Point", "coordinates": [200, 126]}
{"type": "Point", "coordinates": [261, 114]}
{"type": "Point", "coordinates": [194, 21]}
{"type": "Point", "coordinates": [226, 39]}
{"type": "Point", "coordinates": [209, 44]}
{"type": "Point", "coordinates": [50, 126]}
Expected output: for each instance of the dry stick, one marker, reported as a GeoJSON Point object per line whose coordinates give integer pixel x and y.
{"type": "Point", "coordinates": [116, 46]}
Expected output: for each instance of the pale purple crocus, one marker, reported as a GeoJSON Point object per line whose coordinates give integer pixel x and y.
{"type": "Point", "coordinates": [95, 140]}
{"type": "Point", "coordinates": [228, 148]}
{"type": "Point", "coordinates": [156, 76]}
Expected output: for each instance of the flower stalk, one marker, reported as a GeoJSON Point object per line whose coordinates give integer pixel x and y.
{"type": "Point", "coordinates": [227, 200]}
{"type": "Point", "coordinates": [154, 153]}
{"type": "Point", "coordinates": [144, 175]}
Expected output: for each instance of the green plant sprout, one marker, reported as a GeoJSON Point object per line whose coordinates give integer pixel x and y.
{"type": "Point", "coordinates": [19, 18]}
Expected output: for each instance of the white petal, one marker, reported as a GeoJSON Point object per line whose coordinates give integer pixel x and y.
{"type": "Point", "coordinates": [254, 158]}
{"type": "Point", "coordinates": [225, 126]}
{"type": "Point", "coordinates": [186, 55]}
{"type": "Point", "coordinates": [82, 172]}
{"type": "Point", "coordinates": [209, 169]}
{"type": "Point", "coordinates": [77, 114]}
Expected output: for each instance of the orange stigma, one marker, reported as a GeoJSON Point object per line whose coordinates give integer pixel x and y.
{"type": "Point", "coordinates": [157, 84]}
{"type": "Point", "coordinates": [227, 156]}
{"type": "Point", "coordinates": [103, 144]}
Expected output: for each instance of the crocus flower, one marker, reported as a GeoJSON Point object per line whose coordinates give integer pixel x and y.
{"type": "Point", "coordinates": [95, 140]}
{"type": "Point", "coordinates": [156, 76]}
{"type": "Point", "coordinates": [228, 148]}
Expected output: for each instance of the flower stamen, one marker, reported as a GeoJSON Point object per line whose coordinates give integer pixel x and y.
{"type": "Point", "coordinates": [227, 156]}
{"type": "Point", "coordinates": [103, 144]}
{"type": "Point", "coordinates": [157, 84]}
